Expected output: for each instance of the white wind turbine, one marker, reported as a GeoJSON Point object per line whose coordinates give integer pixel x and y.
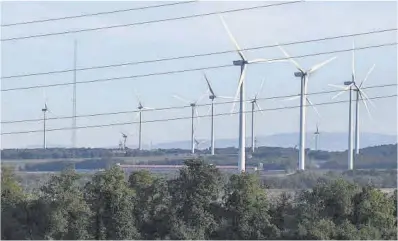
{"type": "Point", "coordinates": [212, 97]}
{"type": "Point", "coordinates": [140, 108]}
{"type": "Point", "coordinates": [254, 104]}
{"type": "Point", "coordinates": [316, 135]}
{"type": "Point", "coordinates": [352, 86]}
{"type": "Point", "coordinates": [45, 109]}
{"type": "Point", "coordinates": [240, 91]}
{"type": "Point", "coordinates": [193, 112]}
{"type": "Point", "coordinates": [304, 76]}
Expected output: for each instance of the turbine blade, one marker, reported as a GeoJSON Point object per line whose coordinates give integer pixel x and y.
{"type": "Point", "coordinates": [367, 75]}
{"type": "Point", "coordinates": [341, 92]}
{"type": "Point", "coordinates": [181, 99]}
{"type": "Point", "coordinates": [202, 96]}
{"type": "Point", "coordinates": [259, 107]}
{"type": "Point", "coordinates": [137, 97]}
{"type": "Point", "coordinates": [261, 88]}
{"type": "Point", "coordinates": [366, 106]}
{"type": "Point", "coordinates": [320, 65]}
{"type": "Point", "coordinates": [208, 84]}
{"type": "Point", "coordinates": [290, 58]}
{"type": "Point", "coordinates": [353, 60]}
{"type": "Point", "coordinates": [225, 97]}
{"type": "Point", "coordinates": [242, 76]}
{"type": "Point", "coordinates": [343, 87]}
{"type": "Point", "coordinates": [238, 49]}
{"type": "Point", "coordinates": [148, 108]}
{"type": "Point", "coordinates": [367, 97]}
{"type": "Point", "coordinates": [313, 106]}
{"type": "Point", "coordinates": [208, 111]}
{"type": "Point", "coordinates": [137, 115]}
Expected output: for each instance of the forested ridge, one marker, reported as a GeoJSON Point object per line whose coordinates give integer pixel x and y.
{"type": "Point", "coordinates": [198, 203]}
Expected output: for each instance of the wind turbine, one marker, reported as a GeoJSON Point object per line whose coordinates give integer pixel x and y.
{"type": "Point", "coordinates": [198, 143]}
{"type": "Point", "coordinates": [45, 109]}
{"type": "Point", "coordinates": [124, 140]}
{"type": "Point", "coordinates": [212, 97]}
{"type": "Point", "coordinates": [254, 104]}
{"type": "Point", "coordinates": [352, 86]}
{"type": "Point", "coordinates": [140, 108]}
{"type": "Point", "coordinates": [316, 134]}
{"type": "Point", "coordinates": [240, 91]}
{"type": "Point", "coordinates": [304, 77]}
{"type": "Point", "coordinates": [193, 112]}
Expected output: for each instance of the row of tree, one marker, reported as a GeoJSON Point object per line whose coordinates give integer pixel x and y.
{"type": "Point", "coordinates": [199, 203]}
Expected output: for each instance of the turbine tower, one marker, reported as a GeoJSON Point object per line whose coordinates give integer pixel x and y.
{"type": "Point", "coordinates": [254, 104]}
{"type": "Point", "coordinates": [360, 95]}
{"type": "Point", "coordinates": [74, 96]}
{"type": "Point", "coordinates": [193, 112]}
{"type": "Point", "coordinates": [124, 140]}
{"type": "Point", "coordinates": [350, 86]}
{"type": "Point", "coordinates": [240, 91]}
{"type": "Point", "coordinates": [316, 134]}
{"type": "Point", "coordinates": [44, 110]}
{"type": "Point", "coordinates": [140, 108]}
{"type": "Point", "coordinates": [212, 97]}
{"type": "Point", "coordinates": [304, 77]}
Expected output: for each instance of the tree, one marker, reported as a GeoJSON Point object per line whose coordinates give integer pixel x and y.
{"type": "Point", "coordinates": [68, 212]}
{"type": "Point", "coordinates": [374, 213]}
{"type": "Point", "coordinates": [247, 210]}
{"type": "Point", "coordinates": [151, 205]}
{"type": "Point", "coordinates": [110, 200]}
{"type": "Point", "coordinates": [193, 192]}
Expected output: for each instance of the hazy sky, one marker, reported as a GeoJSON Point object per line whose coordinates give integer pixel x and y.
{"type": "Point", "coordinates": [301, 21]}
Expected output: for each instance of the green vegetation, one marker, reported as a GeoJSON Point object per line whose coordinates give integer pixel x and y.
{"type": "Point", "coordinates": [198, 203]}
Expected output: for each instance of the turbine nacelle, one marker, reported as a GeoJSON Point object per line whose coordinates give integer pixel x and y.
{"type": "Point", "coordinates": [348, 82]}
{"type": "Point", "coordinates": [299, 74]}
{"type": "Point", "coordinates": [239, 62]}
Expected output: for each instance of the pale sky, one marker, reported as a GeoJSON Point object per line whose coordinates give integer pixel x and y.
{"type": "Point", "coordinates": [301, 21]}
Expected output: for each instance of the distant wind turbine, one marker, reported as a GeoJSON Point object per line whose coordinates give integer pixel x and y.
{"type": "Point", "coordinates": [254, 104]}
{"type": "Point", "coordinates": [124, 140]}
{"type": "Point", "coordinates": [240, 91]}
{"type": "Point", "coordinates": [45, 109]}
{"type": "Point", "coordinates": [304, 76]}
{"type": "Point", "coordinates": [352, 86]}
{"type": "Point", "coordinates": [193, 112]}
{"type": "Point", "coordinates": [212, 97]}
{"type": "Point", "coordinates": [316, 135]}
{"type": "Point", "coordinates": [140, 108]}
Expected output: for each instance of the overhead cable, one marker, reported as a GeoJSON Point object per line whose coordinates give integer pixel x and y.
{"type": "Point", "coordinates": [186, 70]}
{"type": "Point", "coordinates": [184, 106]}
{"type": "Point", "coordinates": [199, 55]}
{"type": "Point", "coordinates": [144, 22]}
{"type": "Point", "coordinates": [94, 14]}
{"type": "Point", "coordinates": [187, 117]}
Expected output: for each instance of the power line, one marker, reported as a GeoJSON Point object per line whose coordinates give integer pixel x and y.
{"type": "Point", "coordinates": [184, 106]}
{"type": "Point", "coordinates": [188, 117]}
{"type": "Point", "coordinates": [94, 14]}
{"type": "Point", "coordinates": [187, 70]}
{"type": "Point", "coordinates": [146, 22]}
{"type": "Point", "coordinates": [199, 55]}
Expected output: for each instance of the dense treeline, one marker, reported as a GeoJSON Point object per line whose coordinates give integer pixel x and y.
{"type": "Point", "coordinates": [199, 203]}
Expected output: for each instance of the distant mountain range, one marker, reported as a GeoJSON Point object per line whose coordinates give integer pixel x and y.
{"type": "Point", "coordinates": [329, 141]}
